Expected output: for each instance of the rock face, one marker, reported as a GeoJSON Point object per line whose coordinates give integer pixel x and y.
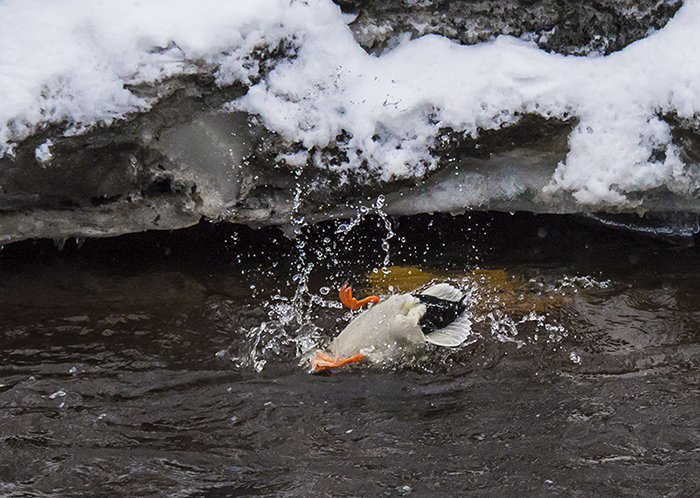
{"type": "Point", "coordinates": [564, 26]}
{"type": "Point", "coordinates": [111, 180]}
{"type": "Point", "coordinates": [151, 173]}
{"type": "Point", "coordinates": [189, 156]}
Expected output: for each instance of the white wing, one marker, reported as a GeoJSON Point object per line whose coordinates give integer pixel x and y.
{"type": "Point", "coordinates": [452, 335]}
{"type": "Point", "coordinates": [443, 291]}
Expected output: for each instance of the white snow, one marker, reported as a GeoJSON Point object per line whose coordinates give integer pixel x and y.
{"type": "Point", "coordinates": [71, 60]}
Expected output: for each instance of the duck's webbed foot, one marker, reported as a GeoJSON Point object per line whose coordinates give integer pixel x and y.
{"type": "Point", "coordinates": [324, 361]}
{"type": "Point", "coordinates": [352, 303]}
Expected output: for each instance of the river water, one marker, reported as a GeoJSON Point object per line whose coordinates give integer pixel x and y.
{"type": "Point", "coordinates": [170, 364]}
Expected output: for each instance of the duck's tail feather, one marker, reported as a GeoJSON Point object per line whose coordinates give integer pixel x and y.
{"type": "Point", "coordinates": [453, 335]}
{"type": "Point", "coordinates": [444, 291]}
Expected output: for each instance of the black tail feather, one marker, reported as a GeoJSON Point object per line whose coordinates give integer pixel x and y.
{"type": "Point", "coordinates": [439, 313]}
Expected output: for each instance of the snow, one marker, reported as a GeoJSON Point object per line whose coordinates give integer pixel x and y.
{"type": "Point", "coordinates": [43, 152]}
{"type": "Point", "coordinates": [71, 60]}
{"type": "Point", "coordinates": [74, 60]}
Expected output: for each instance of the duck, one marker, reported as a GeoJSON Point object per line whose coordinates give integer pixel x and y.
{"type": "Point", "coordinates": [397, 326]}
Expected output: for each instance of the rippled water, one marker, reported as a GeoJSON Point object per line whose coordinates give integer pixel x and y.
{"type": "Point", "coordinates": [169, 364]}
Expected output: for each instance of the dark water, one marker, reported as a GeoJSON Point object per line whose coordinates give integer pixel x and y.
{"type": "Point", "coordinates": [168, 365]}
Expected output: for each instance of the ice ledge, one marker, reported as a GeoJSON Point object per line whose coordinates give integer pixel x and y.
{"type": "Point", "coordinates": [153, 174]}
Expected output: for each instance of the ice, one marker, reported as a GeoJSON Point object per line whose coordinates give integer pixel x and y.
{"type": "Point", "coordinates": [74, 62]}
{"type": "Point", "coordinates": [43, 152]}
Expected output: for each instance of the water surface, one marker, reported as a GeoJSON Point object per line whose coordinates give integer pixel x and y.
{"type": "Point", "coordinates": [168, 364]}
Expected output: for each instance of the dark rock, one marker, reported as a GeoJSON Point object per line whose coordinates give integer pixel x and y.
{"type": "Point", "coordinates": [564, 26]}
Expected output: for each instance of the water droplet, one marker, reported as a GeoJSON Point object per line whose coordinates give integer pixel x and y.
{"type": "Point", "coordinates": [324, 291]}
{"type": "Point", "coordinates": [575, 358]}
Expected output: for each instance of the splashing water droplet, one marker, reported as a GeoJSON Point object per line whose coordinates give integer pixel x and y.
{"type": "Point", "coordinates": [386, 247]}
{"type": "Point", "coordinates": [575, 358]}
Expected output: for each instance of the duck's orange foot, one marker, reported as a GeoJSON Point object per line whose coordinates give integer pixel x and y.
{"type": "Point", "coordinates": [323, 361]}
{"type": "Point", "coordinates": [352, 303]}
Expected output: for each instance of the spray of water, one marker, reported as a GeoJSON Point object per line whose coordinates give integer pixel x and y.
{"type": "Point", "coordinates": [291, 322]}
{"type": "Point", "coordinates": [304, 266]}
{"type": "Point", "coordinates": [377, 209]}
{"type": "Point", "coordinates": [297, 324]}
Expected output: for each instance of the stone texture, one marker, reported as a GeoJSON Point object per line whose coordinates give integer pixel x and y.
{"type": "Point", "coordinates": [564, 26]}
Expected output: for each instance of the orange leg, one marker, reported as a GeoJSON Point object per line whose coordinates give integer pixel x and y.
{"type": "Point", "coordinates": [323, 361]}
{"type": "Point", "coordinates": [352, 303]}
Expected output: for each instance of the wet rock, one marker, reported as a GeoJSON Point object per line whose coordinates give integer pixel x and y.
{"type": "Point", "coordinates": [110, 180]}
{"type": "Point", "coordinates": [566, 27]}
{"type": "Point", "coordinates": [156, 173]}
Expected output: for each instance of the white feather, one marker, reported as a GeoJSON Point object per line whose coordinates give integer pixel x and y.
{"type": "Point", "coordinates": [443, 291]}
{"type": "Point", "coordinates": [452, 335]}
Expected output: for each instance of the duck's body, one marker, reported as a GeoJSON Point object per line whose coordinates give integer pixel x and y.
{"type": "Point", "coordinates": [382, 329]}
{"type": "Point", "coordinates": [397, 326]}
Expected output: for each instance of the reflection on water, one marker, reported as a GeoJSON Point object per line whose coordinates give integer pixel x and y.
{"type": "Point", "coordinates": [168, 365]}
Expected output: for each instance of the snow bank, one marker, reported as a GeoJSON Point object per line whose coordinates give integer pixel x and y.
{"type": "Point", "coordinates": [73, 61]}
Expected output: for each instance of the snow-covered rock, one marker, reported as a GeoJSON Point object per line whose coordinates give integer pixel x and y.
{"type": "Point", "coordinates": [129, 115]}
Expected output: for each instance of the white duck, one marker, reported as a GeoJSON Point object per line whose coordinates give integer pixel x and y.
{"type": "Point", "coordinates": [397, 325]}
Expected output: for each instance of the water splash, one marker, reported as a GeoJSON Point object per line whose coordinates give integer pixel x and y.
{"type": "Point", "coordinates": [258, 362]}
{"type": "Point", "coordinates": [386, 247]}
{"type": "Point", "coordinates": [502, 327]}
{"type": "Point", "coordinates": [507, 309]}
{"type": "Point", "coordinates": [304, 266]}
{"type": "Point", "coordinates": [377, 209]}
{"type": "Point", "coordinates": [291, 328]}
